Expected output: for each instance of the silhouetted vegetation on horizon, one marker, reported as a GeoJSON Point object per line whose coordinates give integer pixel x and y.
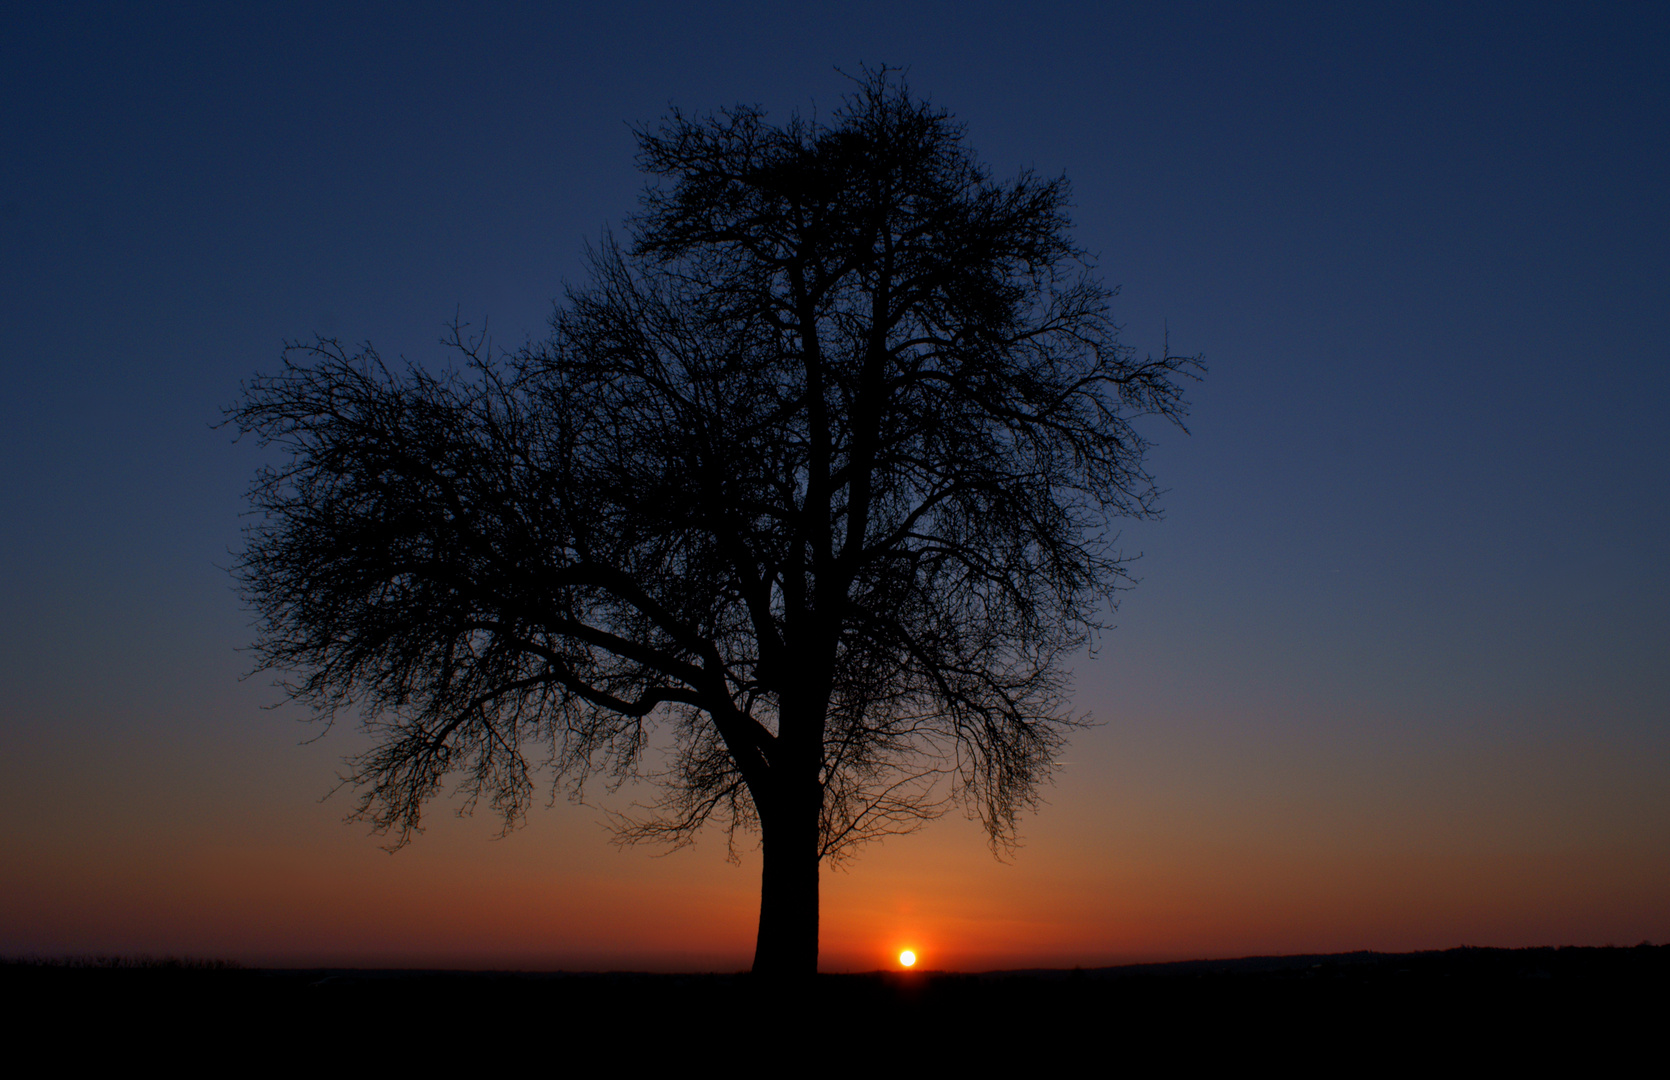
{"type": "Point", "coordinates": [1538, 962]}
{"type": "Point", "coordinates": [139, 961]}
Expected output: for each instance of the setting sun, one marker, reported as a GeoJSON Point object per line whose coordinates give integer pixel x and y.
{"type": "Point", "coordinates": [907, 958]}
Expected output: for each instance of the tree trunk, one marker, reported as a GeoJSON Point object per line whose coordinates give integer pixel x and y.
{"type": "Point", "coordinates": [787, 946]}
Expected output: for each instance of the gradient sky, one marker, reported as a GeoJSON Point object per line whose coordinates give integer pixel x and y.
{"type": "Point", "coordinates": [1397, 672]}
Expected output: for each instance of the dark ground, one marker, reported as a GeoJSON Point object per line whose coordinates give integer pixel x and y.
{"type": "Point", "coordinates": [1345, 1012]}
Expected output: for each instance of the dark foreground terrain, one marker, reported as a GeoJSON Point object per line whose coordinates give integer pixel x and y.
{"type": "Point", "coordinates": [1298, 1013]}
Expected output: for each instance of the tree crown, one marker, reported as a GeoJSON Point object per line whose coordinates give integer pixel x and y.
{"type": "Point", "coordinates": [815, 473]}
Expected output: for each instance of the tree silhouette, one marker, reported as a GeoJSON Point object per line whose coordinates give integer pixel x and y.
{"type": "Point", "coordinates": [798, 511]}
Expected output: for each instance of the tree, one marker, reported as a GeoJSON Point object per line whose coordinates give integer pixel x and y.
{"type": "Point", "coordinates": [812, 481]}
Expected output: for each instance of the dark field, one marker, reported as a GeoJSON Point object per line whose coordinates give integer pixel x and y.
{"type": "Point", "coordinates": [1304, 1013]}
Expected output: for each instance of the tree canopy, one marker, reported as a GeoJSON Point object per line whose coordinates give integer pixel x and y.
{"type": "Point", "coordinates": [801, 507]}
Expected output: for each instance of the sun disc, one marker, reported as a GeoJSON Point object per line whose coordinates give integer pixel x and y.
{"type": "Point", "coordinates": [907, 958]}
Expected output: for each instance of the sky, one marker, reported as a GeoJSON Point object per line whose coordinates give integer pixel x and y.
{"type": "Point", "coordinates": [1394, 675]}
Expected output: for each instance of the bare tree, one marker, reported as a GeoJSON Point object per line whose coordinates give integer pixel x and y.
{"type": "Point", "coordinates": [814, 479]}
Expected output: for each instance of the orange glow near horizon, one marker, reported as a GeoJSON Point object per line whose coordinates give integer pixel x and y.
{"type": "Point", "coordinates": [552, 897]}
{"type": "Point", "coordinates": [1159, 865]}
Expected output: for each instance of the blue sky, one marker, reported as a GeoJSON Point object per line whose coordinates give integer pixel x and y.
{"type": "Point", "coordinates": [1415, 556]}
